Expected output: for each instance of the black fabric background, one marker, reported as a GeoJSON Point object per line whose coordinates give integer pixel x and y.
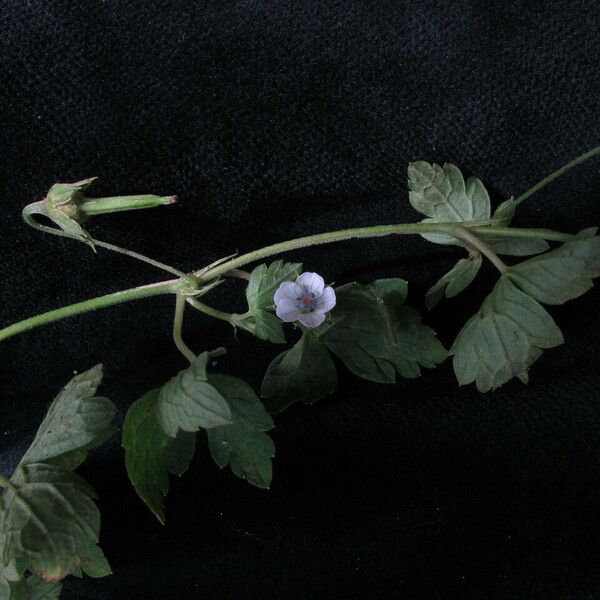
{"type": "Point", "coordinates": [272, 120]}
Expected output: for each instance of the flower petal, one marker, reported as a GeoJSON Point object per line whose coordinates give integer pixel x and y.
{"type": "Point", "coordinates": [287, 310]}
{"type": "Point", "coordinates": [312, 319]}
{"type": "Point", "coordinates": [311, 282]}
{"type": "Point", "coordinates": [326, 301]}
{"type": "Point", "coordinates": [288, 289]}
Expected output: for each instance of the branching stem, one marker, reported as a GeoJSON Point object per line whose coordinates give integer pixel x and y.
{"type": "Point", "coordinates": [223, 267]}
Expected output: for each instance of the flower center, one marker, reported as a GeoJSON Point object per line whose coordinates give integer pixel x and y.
{"type": "Point", "coordinates": [306, 302]}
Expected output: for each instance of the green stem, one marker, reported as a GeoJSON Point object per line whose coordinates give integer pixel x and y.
{"type": "Point", "coordinates": [5, 482]}
{"type": "Point", "coordinates": [37, 208]}
{"type": "Point", "coordinates": [178, 326]}
{"type": "Point", "coordinates": [577, 161]}
{"type": "Point", "coordinates": [208, 310]}
{"type": "Point", "coordinates": [144, 291]}
{"type": "Point", "coordinates": [452, 229]}
{"type": "Point", "coordinates": [476, 242]}
{"type": "Point", "coordinates": [222, 268]}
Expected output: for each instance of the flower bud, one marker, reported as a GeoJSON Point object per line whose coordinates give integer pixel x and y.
{"type": "Point", "coordinates": [67, 207]}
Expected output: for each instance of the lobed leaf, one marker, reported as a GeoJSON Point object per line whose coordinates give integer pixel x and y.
{"type": "Point", "coordinates": [260, 291]}
{"type": "Point", "coordinates": [503, 339]}
{"type": "Point", "coordinates": [32, 588]}
{"type": "Point", "coordinates": [38, 589]}
{"type": "Point", "coordinates": [76, 422]}
{"type": "Point", "coordinates": [442, 195]}
{"type": "Point", "coordinates": [188, 401]}
{"type": "Point", "coordinates": [455, 281]}
{"type": "Point", "coordinates": [150, 454]}
{"type": "Point", "coordinates": [411, 344]}
{"type": "Point", "coordinates": [268, 327]}
{"type": "Point", "coordinates": [357, 335]}
{"type": "Point", "coordinates": [304, 373]}
{"type": "Point", "coordinates": [243, 444]}
{"type": "Point", "coordinates": [376, 335]}
{"type": "Point", "coordinates": [561, 274]}
{"type": "Point", "coordinates": [264, 282]}
{"type": "Point", "coordinates": [48, 519]}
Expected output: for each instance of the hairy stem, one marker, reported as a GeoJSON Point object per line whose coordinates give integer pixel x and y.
{"type": "Point", "coordinates": [375, 231]}
{"type": "Point", "coordinates": [177, 327]}
{"type": "Point", "coordinates": [577, 161]}
{"type": "Point", "coordinates": [29, 218]}
{"type": "Point", "coordinates": [239, 274]}
{"type": "Point", "coordinates": [144, 291]}
{"type": "Point", "coordinates": [223, 267]}
{"type": "Point", "coordinates": [208, 310]}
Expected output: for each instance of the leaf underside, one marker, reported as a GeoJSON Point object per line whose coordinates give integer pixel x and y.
{"type": "Point", "coordinates": [512, 328]}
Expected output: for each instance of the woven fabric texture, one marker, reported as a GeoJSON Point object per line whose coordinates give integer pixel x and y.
{"type": "Point", "coordinates": [273, 120]}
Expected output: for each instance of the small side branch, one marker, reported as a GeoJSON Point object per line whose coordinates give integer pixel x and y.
{"type": "Point", "coordinates": [538, 186]}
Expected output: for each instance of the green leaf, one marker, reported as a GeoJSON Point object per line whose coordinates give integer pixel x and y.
{"type": "Point", "coordinates": [410, 343]}
{"type": "Point", "coordinates": [188, 401]}
{"type": "Point", "coordinates": [561, 274]}
{"type": "Point", "coordinates": [48, 518]}
{"type": "Point", "coordinates": [375, 335]}
{"type": "Point", "coordinates": [31, 588]}
{"type": "Point", "coordinates": [305, 373]}
{"type": "Point", "coordinates": [76, 422]}
{"type": "Point", "coordinates": [455, 281]}
{"type": "Point", "coordinates": [442, 195]}
{"type": "Point", "coordinates": [38, 589]}
{"type": "Point", "coordinates": [504, 214]}
{"type": "Point", "coordinates": [243, 445]}
{"type": "Point", "coordinates": [69, 226]}
{"type": "Point", "coordinates": [392, 291]}
{"type": "Point", "coordinates": [268, 327]}
{"type": "Point", "coordinates": [260, 293]}
{"type": "Point", "coordinates": [515, 246]}
{"type": "Point", "coordinates": [357, 336]}
{"type": "Point", "coordinates": [150, 454]}
{"type": "Point", "coordinates": [13, 590]}
{"type": "Point", "coordinates": [264, 282]}
{"type": "Point", "coordinates": [94, 563]}
{"type": "Point", "coordinates": [503, 339]}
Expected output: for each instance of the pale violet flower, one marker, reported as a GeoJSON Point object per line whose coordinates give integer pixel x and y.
{"type": "Point", "coordinates": [307, 300]}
